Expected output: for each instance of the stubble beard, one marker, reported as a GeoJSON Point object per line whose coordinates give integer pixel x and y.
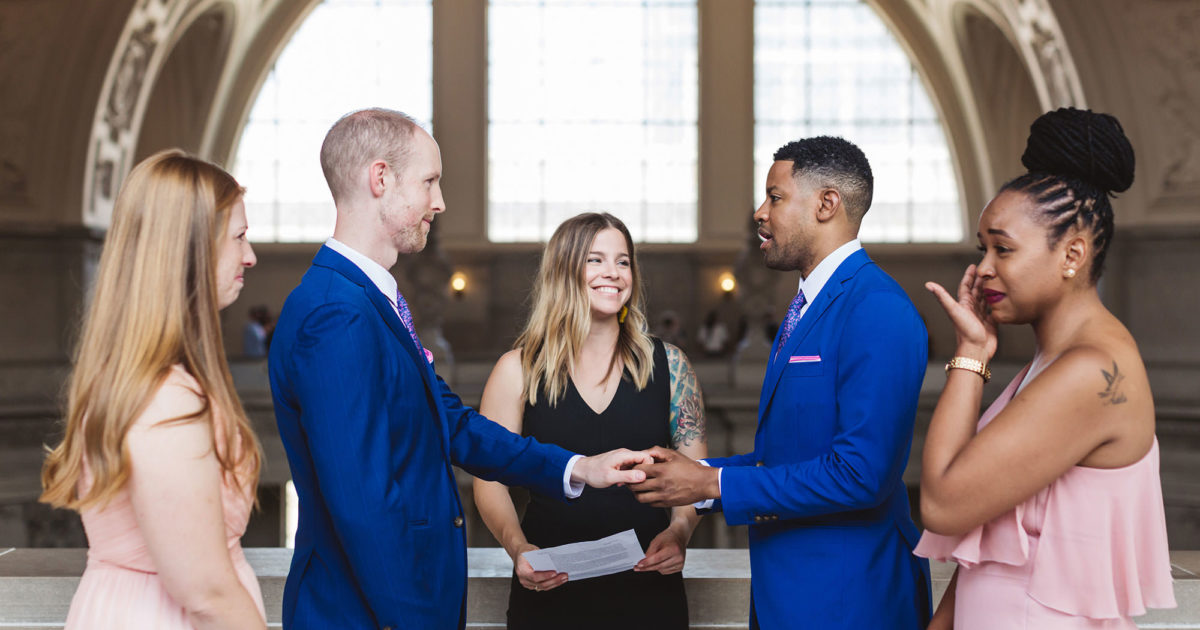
{"type": "Point", "coordinates": [412, 239]}
{"type": "Point", "coordinates": [790, 257]}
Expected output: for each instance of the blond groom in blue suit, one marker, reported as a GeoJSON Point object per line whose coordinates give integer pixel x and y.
{"type": "Point", "coordinates": [370, 429]}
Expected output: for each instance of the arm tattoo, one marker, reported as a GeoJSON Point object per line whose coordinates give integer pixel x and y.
{"type": "Point", "coordinates": [687, 404]}
{"type": "Point", "coordinates": [1113, 395]}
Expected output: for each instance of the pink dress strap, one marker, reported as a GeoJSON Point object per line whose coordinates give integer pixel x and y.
{"type": "Point", "coordinates": [1101, 538]}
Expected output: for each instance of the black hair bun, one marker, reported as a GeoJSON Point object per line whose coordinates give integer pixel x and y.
{"type": "Point", "coordinates": [1083, 145]}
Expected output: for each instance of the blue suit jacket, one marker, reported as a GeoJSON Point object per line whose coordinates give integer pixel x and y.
{"type": "Point", "coordinates": [371, 432]}
{"type": "Point", "coordinates": [831, 538]}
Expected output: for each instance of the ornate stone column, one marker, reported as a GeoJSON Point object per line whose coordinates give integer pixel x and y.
{"type": "Point", "coordinates": [428, 274]}
{"type": "Point", "coordinates": [755, 295]}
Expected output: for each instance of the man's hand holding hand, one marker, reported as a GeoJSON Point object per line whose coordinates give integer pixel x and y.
{"type": "Point", "coordinates": [675, 479]}
{"type": "Point", "coordinates": [615, 467]}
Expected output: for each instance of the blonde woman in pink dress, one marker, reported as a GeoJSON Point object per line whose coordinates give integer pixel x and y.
{"type": "Point", "coordinates": [1050, 503]}
{"type": "Point", "coordinates": [158, 456]}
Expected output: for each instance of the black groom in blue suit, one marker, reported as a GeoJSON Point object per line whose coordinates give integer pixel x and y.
{"type": "Point", "coordinates": [831, 538]}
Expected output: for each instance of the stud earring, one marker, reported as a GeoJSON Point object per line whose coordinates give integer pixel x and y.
{"type": "Point", "coordinates": [1070, 273]}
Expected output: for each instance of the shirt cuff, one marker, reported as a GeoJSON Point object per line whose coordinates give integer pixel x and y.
{"type": "Point", "coordinates": [572, 490]}
{"type": "Point", "coordinates": [708, 503]}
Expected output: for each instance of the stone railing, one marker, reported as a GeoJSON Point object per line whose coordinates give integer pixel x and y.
{"type": "Point", "coordinates": [36, 586]}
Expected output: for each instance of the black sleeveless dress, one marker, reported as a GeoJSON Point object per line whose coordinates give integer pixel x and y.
{"type": "Point", "coordinates": [634, 420]}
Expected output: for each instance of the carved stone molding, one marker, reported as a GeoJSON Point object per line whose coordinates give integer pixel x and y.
{"type": "Point", "coordinates": [1042, 40]}
{"type": "Point", "coordinates": [1168, 33]}
{"type": "Point", "coordinates": [1039, 39]}
{"type": "Point", "coordinates": [140, 52]}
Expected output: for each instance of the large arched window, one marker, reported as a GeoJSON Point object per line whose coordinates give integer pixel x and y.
{"type": "Point", "coordinates": [832, 67]}
{"type": "Point", "coordinates": [347, 55]}
{"type": "Point", "coordinates": [592, 106]}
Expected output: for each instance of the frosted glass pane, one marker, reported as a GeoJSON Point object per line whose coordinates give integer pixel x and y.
{"type": "Point", "coordinates": [592, 107]}
{"type": "Point", "coordinates": [862, 86]}
{"type": "Point", "coordinates": [344, 57]}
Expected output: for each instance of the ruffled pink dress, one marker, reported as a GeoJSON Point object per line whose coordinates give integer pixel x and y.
{"type": "Point", "coordinates": [120, 588]}
{"type": "Point", "coordinates": [1087, 552]}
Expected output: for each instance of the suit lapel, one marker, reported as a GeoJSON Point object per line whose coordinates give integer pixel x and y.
{"type": "Point", "coordinates": [326, 257]}
{"type": "Point", "coordinates": [829, 293]}
{"type": "Point", "coordinates": [774, 369]}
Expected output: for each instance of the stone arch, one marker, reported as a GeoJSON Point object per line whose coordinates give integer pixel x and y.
{"type": "Point", "coordinates": [918, 30]}
{"type": "Point", "coordinates": [1033, 29]}
{"type": "Point", "coordinates": [940, 37]}
{"type": "Point", "coordinates": [263, 42]}
{"type": "Point", "coordinates": [151, 32]}
{"type": "Point", "coordinates": [182, 95]}
{"type": "Point", "coordinates": [1006, 99]}
{"type": "Point", "coordinates": [938, 34]}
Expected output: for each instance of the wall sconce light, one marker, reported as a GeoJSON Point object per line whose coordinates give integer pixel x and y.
{"type": "Point", "coordinates": [458, 283]}
{"type": "Point", "coordinates": [727, 284]}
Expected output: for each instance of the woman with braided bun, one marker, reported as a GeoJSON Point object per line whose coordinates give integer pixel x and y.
{"type": "Point", "coordinates": [1050, 503]}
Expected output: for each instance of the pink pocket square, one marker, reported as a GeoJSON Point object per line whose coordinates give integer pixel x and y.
{"type": "Point", "coordinates": [805, 358]}
{"type": "Point", "coordinates": [429, 356]}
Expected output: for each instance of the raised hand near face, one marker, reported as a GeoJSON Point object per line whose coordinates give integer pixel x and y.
{"type": "Point", "coordinates": [973, 324]}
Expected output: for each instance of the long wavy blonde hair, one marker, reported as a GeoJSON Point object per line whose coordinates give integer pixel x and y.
{"type": "Point", "coordinates": [155, 306]}
{"type": "Point", "coordinates": [562, 313]}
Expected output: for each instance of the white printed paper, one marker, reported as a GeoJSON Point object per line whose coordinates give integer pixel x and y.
{"type": "Point", "coordinates": [593, 558]}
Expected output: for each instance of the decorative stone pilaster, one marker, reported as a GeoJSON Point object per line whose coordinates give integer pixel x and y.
{"type": "Point", "coordinates": [755, 295]}
{"type": "Point", "coordinates": [139, 56]}
{"type": "Point", "coordinates": [428, 274]}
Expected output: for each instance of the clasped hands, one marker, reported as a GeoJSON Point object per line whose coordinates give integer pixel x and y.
{"type": "Point", "coordinates": [658, 476]}
{"type": "Point", "coordinates": [673, 479]}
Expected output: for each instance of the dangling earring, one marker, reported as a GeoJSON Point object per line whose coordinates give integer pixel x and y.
{"type": "Point", "coordinates": [622, 314]}
{"type": "Point", "coordinates": [1070, 273]}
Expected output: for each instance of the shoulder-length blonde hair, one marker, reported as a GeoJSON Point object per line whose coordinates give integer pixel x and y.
{"type": "Point", "coordinates": [155, 305]}
{"type": "Point", "coordinates": [562, 314]}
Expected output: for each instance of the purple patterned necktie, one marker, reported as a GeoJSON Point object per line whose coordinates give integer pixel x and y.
{"type": "Point", "coordinates": [406, 319]}
{"type": "Point", "coordinates": [792, 317]}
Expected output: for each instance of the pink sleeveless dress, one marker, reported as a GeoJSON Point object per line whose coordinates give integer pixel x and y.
{"type": "Point", "coordinates": [120, 588]}
{"type": "Point", "coordinates": [1089, 551]}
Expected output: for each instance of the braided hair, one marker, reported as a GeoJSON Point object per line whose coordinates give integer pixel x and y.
{"type": "Point", "coordinates": [1076, 160]}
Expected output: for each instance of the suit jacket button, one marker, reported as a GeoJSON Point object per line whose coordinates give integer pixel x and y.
{"type": "Point", "coordinates": [758, 463]}
{"type": "Point", "coordinates": [458, 522]}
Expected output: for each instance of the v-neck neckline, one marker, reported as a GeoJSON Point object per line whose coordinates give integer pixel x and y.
{"type": "Point", "coordinates": [607, 406]}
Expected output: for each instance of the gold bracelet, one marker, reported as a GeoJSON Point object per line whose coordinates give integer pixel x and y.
{"type": "Point", "coordinates": [970, 365]}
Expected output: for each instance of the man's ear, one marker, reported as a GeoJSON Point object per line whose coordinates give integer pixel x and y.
{"type": "Point", "coordinates": [831, 203]}
{"type": "Point", "coordinates": [377, 178]}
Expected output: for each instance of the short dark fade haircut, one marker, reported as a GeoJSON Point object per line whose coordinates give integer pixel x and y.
{"type": "Point", "coordinates": [833, 162]}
